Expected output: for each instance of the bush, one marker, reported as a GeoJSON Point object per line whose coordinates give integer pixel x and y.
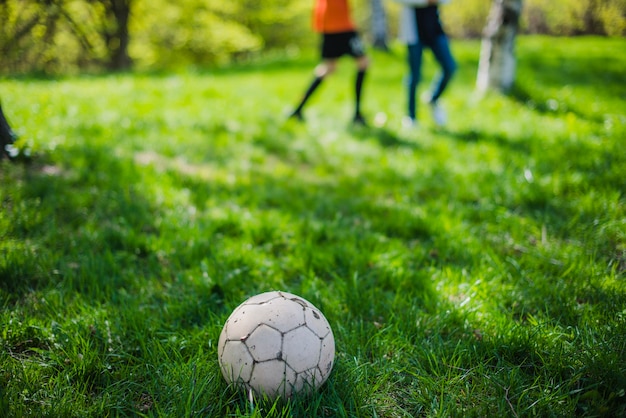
{"type": "Point", "coordinates": [567, 17]}
{"type": "Point", "coordinates": [166, 34]}
{"type": "Point", "coordinates": [467, 18]}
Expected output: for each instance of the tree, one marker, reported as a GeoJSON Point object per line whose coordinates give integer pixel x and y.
{"type": "Point", "coordinates": [496, 69]}
{"type": "Point", "coordinates": [115, 32]}
{"type": "Point", "coordinates": [55, 35]}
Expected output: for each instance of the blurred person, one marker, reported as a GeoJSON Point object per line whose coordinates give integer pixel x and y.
{"type": "Point", "coordinates": [420, 27]}
{"type": "Point", "coordinates": [339, 37]}
{"type": "Point", "coordinates": [7, 136]}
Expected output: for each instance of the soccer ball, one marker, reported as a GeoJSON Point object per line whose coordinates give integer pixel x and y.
{"type": "Point", "coordinates": [276, 344]}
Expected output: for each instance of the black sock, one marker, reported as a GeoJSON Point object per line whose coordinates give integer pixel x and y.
{"type": "Point", "coordinates": [360, 76]}
{"type": "Point", "coordinates": [314, 85]}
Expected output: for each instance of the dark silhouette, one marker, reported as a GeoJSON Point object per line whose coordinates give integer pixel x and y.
{"type": "Point", "coordinates": [7, 136]}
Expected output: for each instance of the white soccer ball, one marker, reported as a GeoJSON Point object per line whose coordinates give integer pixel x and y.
{"type": "Point", "coordinates": [276, 344]}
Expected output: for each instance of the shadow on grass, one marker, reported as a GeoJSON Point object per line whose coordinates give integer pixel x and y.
{"type": "Point", "coordinates": [591, 377]}
{"type": "Point", "coordinates": [338, 218]}
{"type": "Point", "coordinates": [385, 137]}
{"type": "Point", "coordinates": [92, 227]}
{"type": "Point", "coordinates": [502, 141]}
{"type": "Point", "coordinates": [73, 222]}
{"type": "Point", "coordinates": [548, 106]}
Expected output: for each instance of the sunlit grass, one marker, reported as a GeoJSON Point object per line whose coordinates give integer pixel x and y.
{"type": "Point", "coordinates": [469, 271]}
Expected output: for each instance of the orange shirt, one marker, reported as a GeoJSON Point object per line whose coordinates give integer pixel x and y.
{"type": "Point", "coordinates": [332, 16]}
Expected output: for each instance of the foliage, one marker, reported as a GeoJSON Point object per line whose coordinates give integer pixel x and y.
{"type": "Point", "coordinates": [279, 23]}
{"type": "Point", "coordinates": [477, 270]}
{"type": "Point", "coordinates": [169, 34]}
{"type": "Point", "coordinates": [557, 17]}
{"type": "Point", "coordinates": [465, 18]}
{"type": "Point", "coordinates": [201, 33]}
{"type": "Point", "coordinates": [42, 36]}
{"type": "Point", "coordinates": [564, 17]}
{"type": "Point", "coordinates": [63, 36]}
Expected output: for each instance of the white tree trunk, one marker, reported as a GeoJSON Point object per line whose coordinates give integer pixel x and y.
{"type": "Point", "coordinates": [496, 69]}
{"type": "Point", "coordinates": [379, 24]}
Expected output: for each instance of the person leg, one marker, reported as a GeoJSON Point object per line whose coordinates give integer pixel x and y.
{"type": "Point", "coordinates": [441, 51]}
{"type": "Point", "coordinates": [7, 137]}
{"type": "Point", "coordinates": [362, 65]}
{"type": "Point", "coordinates": [355, 47]}
{"type": "Point", "coordinates": [443, 55]}
{"type": "Point", "coordinates": [415, 73]}
{"type": "Point", "coordinates": [326, 67]}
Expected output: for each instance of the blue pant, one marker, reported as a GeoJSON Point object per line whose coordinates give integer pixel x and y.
{"type": "Point", "coordinates": [441, 51]}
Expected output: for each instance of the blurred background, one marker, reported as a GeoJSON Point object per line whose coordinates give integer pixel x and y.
{"type": "Point", "coordinates": [70, 36]}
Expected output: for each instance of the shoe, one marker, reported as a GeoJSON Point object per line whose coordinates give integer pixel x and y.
{"type": "Point", "coordinates": [11, 151]}
{"type": "Point", "coordinates": [380, 119]}
{"type": "Point", "coordinates": [439, 115]}
{"type": "Point", "coordinates": [410, 123]}
{"type": "Point", "coordinates": [297, 115]}
{"type": "Point", "coordinates": [359, 120]}
{"type": "Point", "coordinates": [6, 145]}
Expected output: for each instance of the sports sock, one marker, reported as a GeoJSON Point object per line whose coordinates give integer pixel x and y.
{"type": "Point", "coordinates": [312, 87]}
{"type": "Point", "coordinates": [360, 76]}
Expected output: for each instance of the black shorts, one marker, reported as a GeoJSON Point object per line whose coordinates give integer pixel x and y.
{"type": "Point", "coordinates": [335, 45]}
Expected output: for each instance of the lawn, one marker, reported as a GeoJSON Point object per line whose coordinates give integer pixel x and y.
{"type": "Point", "coordinates": [476, 270]}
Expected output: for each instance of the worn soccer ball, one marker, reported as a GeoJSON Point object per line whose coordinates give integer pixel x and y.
{"type": "Point", "coordinates": [276, 344]}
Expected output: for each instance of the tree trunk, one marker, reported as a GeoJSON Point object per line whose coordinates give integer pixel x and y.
{"type": "Point", "coordinates": [496, 69]}
{"type": "Point", "coordinates": [379, 25]}
{"type": "Point", "coordinates": [117, 38]}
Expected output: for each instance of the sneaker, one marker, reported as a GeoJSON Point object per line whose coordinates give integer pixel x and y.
{"type": "Point", "coordinates": [6, 145]}
{"type": "Point", "coordinates": [439, 115]}
{"type": "Point", "coordinates": [297, 115]}
{"type": "Point", "coordinates": [380, 119]}
{"type": "Point", "coordinates": [359, 120]}
{"type": "Point", "coordinates": [11, 151]}
{"type": "Point", "coordinates": [410, 123]}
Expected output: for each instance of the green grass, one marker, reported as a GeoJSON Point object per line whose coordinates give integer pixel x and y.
{"type": "Point", "coordinates": [473, 271]}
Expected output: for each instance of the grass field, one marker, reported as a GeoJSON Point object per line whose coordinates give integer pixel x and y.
{"type": "Point", "coordinates": [477, 270]}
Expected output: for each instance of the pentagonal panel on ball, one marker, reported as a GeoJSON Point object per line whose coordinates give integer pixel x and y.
{"type": "Point", "coordinates": [301, 349]}
{"type": "Point", "coordinates": [222, 340]}
{"type": "Point", "coordinates": [282, 314]}
{"type": "Point", "coordinates": [265, 343]}
{"type": "Point", "coordinates": [236, 362]}
{"type": "Point", "coordinates": [243, 321]}
{"type": "Point", "coordinates": [272, 378]}
{"type": "Point", "coordinates": [317, 322]}
{"type": "Point", "coordinates": [327, 355]}
{"type": "Point", "coordinates": [262, 298]}
{"type": "Point", "coordinates": [309, 380]}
